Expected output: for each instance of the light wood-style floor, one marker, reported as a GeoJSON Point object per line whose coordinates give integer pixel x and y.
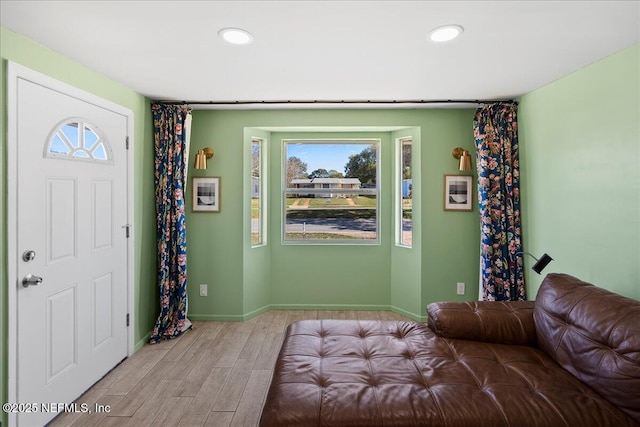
{"type": "Point", "coordinates": [216, 374]}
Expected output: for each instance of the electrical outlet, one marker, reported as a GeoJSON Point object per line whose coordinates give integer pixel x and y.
{"type": "Point", "coordinates": [203, 290]}
{"type": "Point", "coordinates": [459, 288]}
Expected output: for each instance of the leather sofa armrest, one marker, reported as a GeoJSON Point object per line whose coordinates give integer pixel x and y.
{"type": "Point", "coordinates": [489, 321]}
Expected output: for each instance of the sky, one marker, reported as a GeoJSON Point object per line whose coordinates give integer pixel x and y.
{"type": "Point", "coordinates": [324, 156]}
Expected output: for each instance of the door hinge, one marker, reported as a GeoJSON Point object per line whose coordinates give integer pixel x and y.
{"type": "Point", "coordinates": [127, 319]}
{"type": "Point", "coordinates": [127, 143]}
{"type": "Point", "coordinates": [127, 228]}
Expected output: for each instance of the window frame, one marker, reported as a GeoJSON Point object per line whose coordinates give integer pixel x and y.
{"type": "Point", "coordinates": [262, 200]}
{"type": "Point", "coordinates": [399, 199]}
{"type": "Point", "coordinates": [377, 143]}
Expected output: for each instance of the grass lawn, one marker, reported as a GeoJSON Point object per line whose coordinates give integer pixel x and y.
{"type": "Point", "coordinates": [319, 208]}
{"type": "Point", "coordinates": [317, 236]}
{"type": "Point", "coordinates": [366, 201]}
{"type": "Point", "coordinates": [331, 202]}
{"type": "Point", "coordinates": [255, 211]}
{"type": "Point", "coordinates": [321, 202]}
{"type": "Point", "coordinates": [336, 207]}
{"type": "Point", "coordinates": [331, 213]}
{"type": "Point", "coordinates": [407, 207]}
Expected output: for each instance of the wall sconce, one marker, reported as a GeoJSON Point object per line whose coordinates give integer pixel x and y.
{"type": "Point", "coordinates": [540, 263]}
{"type": "Point", "coordinates": [202, 156]}
{"type": "Point", "coordinates": [464, 157]}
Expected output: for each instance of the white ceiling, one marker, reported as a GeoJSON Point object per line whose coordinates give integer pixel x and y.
{"type": "Point", "coordinates": [329, 50]}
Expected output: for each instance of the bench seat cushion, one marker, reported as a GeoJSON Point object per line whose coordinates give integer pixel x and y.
{"type": "Point", "coordinates": [395, 373]}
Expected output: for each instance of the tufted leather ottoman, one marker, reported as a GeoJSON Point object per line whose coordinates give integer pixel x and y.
{"type": "Point", "coordinates": [390, 373]}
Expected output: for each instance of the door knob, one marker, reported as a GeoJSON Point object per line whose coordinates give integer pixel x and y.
{"type": "Point", "coordinates": [31, 280]}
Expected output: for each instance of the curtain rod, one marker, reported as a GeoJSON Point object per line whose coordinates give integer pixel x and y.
{"type": "Point", "coordinates": [402, 101]}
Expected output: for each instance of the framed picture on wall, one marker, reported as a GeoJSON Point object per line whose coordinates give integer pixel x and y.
{"type": "Point", "coordinates": [458, 193]}
{"type": "Point", "coordinates": [206, 194]}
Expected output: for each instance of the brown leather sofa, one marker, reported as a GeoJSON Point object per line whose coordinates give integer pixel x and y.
{"type": "Point", "coordinates": [572, 358]}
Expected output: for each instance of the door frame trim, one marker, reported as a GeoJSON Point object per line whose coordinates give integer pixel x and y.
{"type": "Point", "coordinates": [14, 73]}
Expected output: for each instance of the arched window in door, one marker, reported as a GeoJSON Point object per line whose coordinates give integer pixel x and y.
{"type": "Point", "coordinates": [77, 139]}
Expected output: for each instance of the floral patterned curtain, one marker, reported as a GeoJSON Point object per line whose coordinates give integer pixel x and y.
{"type": "Point", "coordinates": [496, 133]}
{"type": "Point", "coordinates": [171, 128]}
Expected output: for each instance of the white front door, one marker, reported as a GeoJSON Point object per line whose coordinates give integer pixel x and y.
{"type": "Point", "coordinates": [71, 246]}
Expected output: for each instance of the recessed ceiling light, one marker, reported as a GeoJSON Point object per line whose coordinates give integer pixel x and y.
{"type": "Point", "coordinates": [235, 36]}
{"type": "Point", "coordinates": [445, 33]}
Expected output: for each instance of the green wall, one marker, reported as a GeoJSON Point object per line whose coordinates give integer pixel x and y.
{"type": "Point", "coordinates": [244, 281]}
{"type": "Point", "coordinates": [406, 265]}
{"type": "Point", "coordinates": [580, 144]}
{"type": "Point", "coordinates": [339, 275]}
{"type": "Point", "coordinates": [29, 54]}
{"type": "Point", "coordinates": [256, 264]}
{"type": "Point", "coordinates": [450, 240]}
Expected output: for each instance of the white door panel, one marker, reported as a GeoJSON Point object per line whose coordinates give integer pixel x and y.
{"type": "Point", "coordinates": [71, 210]}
